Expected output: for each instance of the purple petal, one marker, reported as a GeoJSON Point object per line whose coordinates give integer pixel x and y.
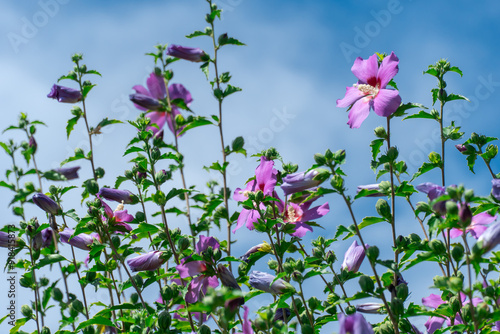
{"type": "Point", "coordinates": [178, 91]}
{"type": "Point", "coordinates": [366, 70]}
{"type": "Point", "coordinates": [123, 216]}
{"type": "Point", "coordinates": [386, 102]}
{"type": "Point", "coordinates": [352, 94]}
{"type": "Point", "coordinates": [316, 212]}
{"type": "Point", "coordinates": [301, 229]}
{"type": "Point", "coordinates": [388, 69]}
{"type": "Point", "coordinates": [192, 268]}
{"type": "Point", "coordinates": [206, 242]}
{"type": "Point", "coordinates": [455, 233]}
{"type": "Point", "coordinates": [158, 118]}
{"type": "Point", "coordinates": [266, 175]}
{"type": "Point", "coordinates": [239, 194]}
{"type": "Point", "coordinates": [433, 324]}
{"type": "Point", "coordinates": [156, 85]}
{"type": "Point", "coordinates": [359, 112]}
{"type": "Point", "coordinates": [432, 301]}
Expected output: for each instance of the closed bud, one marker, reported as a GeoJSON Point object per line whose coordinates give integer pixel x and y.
{"type": "Point", "coordinates": [317, 252]}
{"type": "Point", "coordinates": [204, 329]}
{"type": "Point", "coordinates": [451, 208]}
{"type": "Point", "coordinates": [129, 174]}
{"type": "Point", "coordinates": [437, 246]}
{"type": "Point", "coordinates": [383, 209]}
{"type": "Point", "coordinates": [350, 310]}
{"type": "Point", "coordinates": [489, 291]}
{"type": "Point", "coordinates": [372, 253]}
{"type": "Point", "coordinates": [45, 330]}
{"type": "Point", "coordinates": [183, 244]}
{"type": "Point", "coordinates": [272, 264]}
{"type": "Point", "coordinates": [380, 132]}
{"type": "Point", "coordinates": [164, 320]}
{"type": "Point", "coordinates": [320, 159]}
{"type": "Point", "coordinates": [299, 265]}
{"type": "Point", "coordinates": [306, 329]}
{"type": "Point", "coordinates": [297, 277]}
{"type": "Point", "coordinates": [56, 294]}
{"type": "Point", "coordinates": [397, 306]}
{"type": "Point", "coordinates": [27, 311]}
{"type": "Point", "coordinates": [465, 215]}
{"type": "Point", "coordinates": [454, 304]}
{"type": "Point", "coordinates": [337, 183]}
{"type": "Point", "coordinates": [134, 297]}
{"type": "Point", "coordinates": [137, 279]}
{"type": "Point", "coordinates": [468, 195]}
{"type": "Point", "coordinates": [366, 284]}
{"type": "Point", "coordinates": [166, 293]}
{"type": "Point", "coordinates": [77, 305]}
{"type": "Point", "coordinates": [44, 281]}
{"type": "Point", "coordinates": [332, 309]}
{"type": "Point", "coordinates": [89, 330]}
{"type": "Point", "coordinates": [155, 153]}
{"type": "Point", "coordinates": [442, 95]}
{"type": "Point", "coordinates": [466, 310]}
{"type": "Point", "coordinates": [392, 153]}
{"type": "Point", "coordinates": [452, 191]}
{"type": "Point", "coordinates": [330, 257]}
{"type": "Point", "coordinates": [91, 276]}
{"type": "Point", "coordinates": [415, 238]}
{"type": "Point", "coordinates": [288, 267]}
{"type": "Point", "coordinates": [259, 196]}
{"type": "Point", "coordinates": [402, 291]}
{"type": "Point", "coordinates": [483, 310]}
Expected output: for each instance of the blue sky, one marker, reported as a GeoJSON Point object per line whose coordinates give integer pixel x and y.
{"type": "Point", "coordinates": [295, 66]}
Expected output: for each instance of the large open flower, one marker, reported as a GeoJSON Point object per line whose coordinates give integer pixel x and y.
{"type": "Point", "coordinates": [370, 92]}
{"type": "Point", "coordinates": [149, 99]}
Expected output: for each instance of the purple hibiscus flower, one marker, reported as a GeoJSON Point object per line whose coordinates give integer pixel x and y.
{"type": "Point", "coordinates": [65, 94]}
{"type": "Point", "coordinates": [118, 218]}
{"type": "Point", "coordinates": [267, 282]}
{"type": "Point", "coordinates": [354, 324]}
{"type": "Point", "coordinates": [354, 257]}
{"type": "Point", "coordinates": [434, 191]}
{"type": "Point", "coordinates": [490, 238]}
{"type": "Point", "coordinates": [433, 301]}
{"type": "Point", "coordinates": [82, 241]}
{"type": "Point", "coordinates": [70, 173]}
{"type": "Point", "coordinates": [370, 92]}
{"type": "Point", "coordinates": [149, 261]}
{"type": "Point", "coordinates": [117, 195]}
{"type": "Point", "coordinates": [300, 214]}
{"type": "Point", "coordinates": [300, 181]}
{"type": "Point", "coordinates": [265, 181]}
{"type": "Point", "coordinates": [183, 52]}
{"type": "Point", "coordinates": [149, 99]}
{"type": "Point", "coordinates": [198, 285]}
{"type": "Point", "coordinates": [477, 226]}
{"type": "Point", "coordinates": [46, 203]}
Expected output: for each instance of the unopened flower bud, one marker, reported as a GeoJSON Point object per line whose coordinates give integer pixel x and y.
{"type": "Point", "coordinates": [164, 320]}
{"type": "Point", "coordinates": [45, 330]}
{"type": "Point", "coordinates": [465, 215]}
{"type": "Point", "coordinates": [402, 291]}
{"type": "Point", "coordinates": [468, 195]}
{"type": "Point", "coordinates": [397, 306]}
{"type": "Point", "coordinates": [380, 132]}
{"type": "Point", "coordinates": [451, 208]}
{"type": "Point", "coordinates": [56, 294]}
{"type": "Point", "coordinates": [437, 246]}
{"type": "Point", "coordinates": [366, 283]}
{"type": "Point", "coordinates": [383, 209]}
{"type": "Point", "coordinates": [183, 243]}
{"type": "Point", "coordinates": [330, 257]}
{"type": "Point", "coordinates": [26, 311]}
{"type": "Point", "coordinates": [46, 203]}
{"type": "Point", "coordinates": [370, 308]}
{"type": "Point", "coordinates": [372, 252]}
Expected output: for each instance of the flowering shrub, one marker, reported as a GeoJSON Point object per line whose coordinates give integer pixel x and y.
{"type": "Point", "coordinates": [201, 283]}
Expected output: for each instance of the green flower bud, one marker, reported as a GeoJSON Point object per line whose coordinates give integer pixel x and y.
{"type": "Point", "coordinates": [454, 304]}
{"type": "Point", "coordinates": [337, 183]}
{"type": "Point", "coordinates": [314, 303]}
{"type": "Point", "coordinates": [91, 186]}
{"type": "Point", "coordinates": [468, 195]}
{"type": "Point", "coordinates": [350, 310]}
{"type": "Point", "coordinates": [297, 277]}
{"type": "Point", "coordinates": [273, 264]}
{"type": "Point", "coordinates": [366, 283]}
{"type": "Point", "coordinates": [380, 132]}
{"type": "Point", "coordinates": [299, 265]}
{"type": "Point", "coordinates": [77, 305]}
{"type": "Point", "coordinates": [183, 244]}
{"type": "Point", "coordinates": [415, 238]}
{"type": "Point", "coordinates": [392, 153]}
{"type": "Point", "coordinates": [44, 281]}
{"type": "Point", "coordinates": [134, 297]}
{"type": "Point", "coordinates": [99, 172]}
{"type": "Point", "coordinates": [155, 153]}
{"type": "Point", "coordinates": [453, 192]}
{"type": "Point", "coordinates": [402, 291]}
{"type": "Point", "coordinates": [137, 279]}
{"type": "Point", "coordinates": [27, 311]}
{"type": "Point", "coordinates": [164, 320]}
{"type": "Point", "coordinates": [372, 253]}
{"type": "Point", "coordinates": [56, 294]}
{"type": "Point", "coordinates": [457, 252]}
{"type": "Point", "coordinates": [89, 330]}
{"type": "Point", "coordinates": [288, 267]}
{"type": "Point", "coordinates": [330, 257]}
{"type": "Point", "coordinates": [437, 246]}
{"type": "Point", "coordinates": [383, 209]}
{"type": "Point", "coordinates": [45, 330]}
{"type": "Point", "coordinates": [397, 306]}
{"type": "Point", "coordinates": [320, 159]}
{"type": "Point", "coordinates": [317, 252]}
{"type": "Point", "coordinates": [332, 309]}
{"type": "Point", "coordinates": [307, 329]}
{"type": "Point", "coordinates": [456, 283]}
{"type": "Point", "coordinates": [204, 329]}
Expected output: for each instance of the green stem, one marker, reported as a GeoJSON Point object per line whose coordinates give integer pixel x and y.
{"type": "Point", "coordinates": [467, 257]}
{"type": "Point", "coordinates": [37, 293]}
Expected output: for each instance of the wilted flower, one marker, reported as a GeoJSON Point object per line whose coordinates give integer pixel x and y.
{"type": "Point", "coordinates": [65, 94]}
{"type": "Point", "coordinates": [70, 173]}
{"type": "Point", "coordinates": [149, 261]}
{"type": "Point", "coordinates": [46, 203]}
{"type": "Point", "coordinates": [300, 181]}
{"type": "Point", "coordinates": [371, 187]}
{"type": "Point", "coordinates": [264, 281]}
{"type": "Point", "coordinates": [354, 257]}
{"type": "Point", "coordinates": [490, 238]}
{"type": "Point", "coordinates": [265, 181]}
{"type": "Point", "coordinates": [187, 53]}
{"type": "Point", "coordinates": [370, 92]}
{"type": "Point", "coordinates": [263, 247]}
{"type": "Point", "coordinates": [354, 324]}
{"type": "Point", "coordinates": [117, 195]}
{"type": "Point", "coordinates": [82, 241]}
{"type": "Point", "coordinates": [189, 269]}
{"type": "Point", "coordinates": [371, 308]}
{"type": "Point", "coordinates": [495, 189]}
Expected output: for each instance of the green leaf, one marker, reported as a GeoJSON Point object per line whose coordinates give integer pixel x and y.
{"type": "Point", "coordinates": [224, 39]}
{"type": "Point", "coordinates": [93, 72]}
{"type": "Point", "coordinates": [71, 124]}
{"type": "Point", "coordinates": [49, 259]}
{"type": "Point", "coordinates": [375, 146]}
{"type": "Point", "coordinates": [230, 90]}
{"type": "Point", "coordinates": [435, 93]}
{"type": "Point", "coordinates": [452, 97]}
{"type": "Point", "coordinates": [204, 68]}
{"type": "Point", "coordinates": [432, 71]}
{"type": "Point", "coordinates": [456, 70]}
{"type": "Point", "coordinates": [7, 185]}
{"type": "Point", "coordinates": [19, 324]}
{"type": "Point", "coordinates": [421, 114]}
{"type": "Point", "coordinates": [426, 167]}
{"type": "Point", "coordinates": [119, 181]}
{"type": "Point", "coordinates": [96, 320]}
{"type": "Point", "coordinates": [133, 149]}
{"type": "Point", "coordinates": [106, 122]}
{"type": "Point", "coordinates": [6, 148]}
{"type": "Point", "coordinates": [86, 90]}
{"type": "Point", "coordinates": [196, 122]}
{"type": "Point", "coordinates": [207, 32]}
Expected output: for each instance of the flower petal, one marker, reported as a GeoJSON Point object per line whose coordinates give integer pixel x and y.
{"type": "Point", "coordinates": [359, 112]}
{"type": "Point", "coordinates": [191, 268]}
{"type": "Point", "coordinates": [365, 70]}
{"type": "Point", "coordinates": [156, 85]}
{"type": "Point", "coordinates": [316, 212]}
{"type": "Point", "coordinates": [388, 69]}
{"type": "Point", "coordinates": [352, 94]}
{"type": "Point", "coordinates": [157, 118]}
{"type": "Point", "coordinates": [386, 102]}
{"type": "Point", "coordinates": [432, 301]}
